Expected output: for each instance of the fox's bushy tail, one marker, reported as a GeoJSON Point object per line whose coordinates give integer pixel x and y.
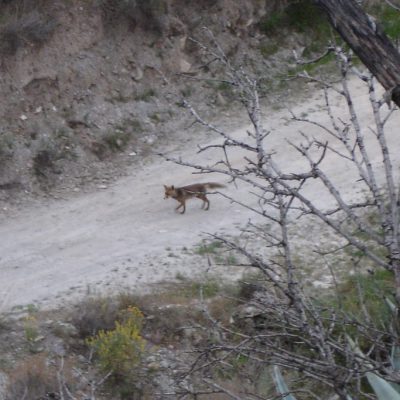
{"type": "Point", "coordinates": [213, 185]}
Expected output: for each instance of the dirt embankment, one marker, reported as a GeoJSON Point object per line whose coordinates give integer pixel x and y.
{"type": "Point", "coordinates": [88, 87]}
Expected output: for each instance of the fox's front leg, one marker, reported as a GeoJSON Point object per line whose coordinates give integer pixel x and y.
{"type": "Point", "coordinates": [181, 205]}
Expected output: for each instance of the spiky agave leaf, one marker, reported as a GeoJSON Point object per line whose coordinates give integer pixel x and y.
{"type": "Point", "coordinates": [391, 305]}
{"type": "Point", "coordinates": [280, 384]}
{"type": "Point", "coordinates": [382, 388]}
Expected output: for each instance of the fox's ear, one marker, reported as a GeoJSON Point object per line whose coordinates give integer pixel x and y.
{"type": "Point", "coordinates": [165, 186]}
{"type": "Point", "coordinates": [172, 187]}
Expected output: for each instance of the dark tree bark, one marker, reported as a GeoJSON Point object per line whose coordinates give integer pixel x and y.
{"type": "Point", "coordinates": [367, 40]}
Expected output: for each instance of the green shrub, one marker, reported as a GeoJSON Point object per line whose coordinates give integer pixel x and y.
{"type": "Point", "coordinates": [148, 13]}
{"type": "Point", "coordinates": [32, 28]}
{"type": "Point", "coordinates": [43, 161]}
{"type": "Point", "coordinates": [153, 8]}
{"type": "Point", "coordinates": [117, 140]}
{"type": "Point", "coordinates": [31, 328]}
{"type": "Point", "coordinates": [146, 95]}
{"type": "Point", "coordinates": [359, 302]}
{"type": "Point", "coordinates": [6, 146]}
{"type": "Point", "coordinates": [373, 286]}
{"type": "Point", "coordinates": [388, 17]}
{"type": "Point", "coordinates": [300, 16]}
{"type": "Point", "coordinates": [120, 350]}
{"type": "Point", "coordinates": [209, 288]}
{"type": "Point", "coordinates": [267, 49]}
{"type": "Point", "coordinates": [390, 20]}
{"type": "Point", "coordinates": [209, 248]}
{"type": "Point", "coordinates": [322, 64]}
{"type": "Point", "coordinates": [217, 251]}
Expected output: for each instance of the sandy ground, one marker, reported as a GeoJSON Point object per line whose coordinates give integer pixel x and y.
{"type": "Point", "coordinates": [127, 235]}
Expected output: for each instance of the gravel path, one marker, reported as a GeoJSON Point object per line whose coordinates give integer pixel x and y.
{"type": "Point", "coordinates": [127, 234]}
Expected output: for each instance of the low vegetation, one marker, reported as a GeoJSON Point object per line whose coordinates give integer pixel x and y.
{"type": "Point", "coordinates": [148, 14]}
{"type": "Point", "coordinates": [111, 340]}
{"type": "Point", "coordinates": [120, 336]}
{"type": "Point", "coordinates": [388, 17]}
{"type": "Point", "coordinates": [119, 351]}
{"type": "Point", "coordinates": [21, 29]}
{"type": "Point", "coordinates": [221, 333]}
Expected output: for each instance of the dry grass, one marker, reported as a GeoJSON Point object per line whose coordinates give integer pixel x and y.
{"type": "Point", "coordinates": [173, 316]}
{"type": "Point", "coordinates": [32, 379]}
{"type": "Point", "coordinates": [95, 314]}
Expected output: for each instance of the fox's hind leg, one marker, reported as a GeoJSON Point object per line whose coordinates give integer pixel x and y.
{"type": "Point", "coordinates": [205, 201]}
{"type": "Point", "coordinates": [208, 203]}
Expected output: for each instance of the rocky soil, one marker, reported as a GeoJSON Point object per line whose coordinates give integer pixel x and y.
{"type": "Point", "coordinates": [81, 187]}
{"type": "Point", "coordinates": [85, 85]}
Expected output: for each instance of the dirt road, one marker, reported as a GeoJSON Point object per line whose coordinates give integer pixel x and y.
{"type": "Point", "coordinates": [127, 235]}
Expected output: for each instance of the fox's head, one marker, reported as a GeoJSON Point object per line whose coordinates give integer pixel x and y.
{"type": "Point", "coordinates": [169, 191]}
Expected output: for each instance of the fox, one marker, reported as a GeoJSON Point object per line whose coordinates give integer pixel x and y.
{"type": "Point", "coordinates": [199, 190]}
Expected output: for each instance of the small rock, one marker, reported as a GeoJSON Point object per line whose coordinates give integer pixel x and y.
{"type": "Point", "coordinates": [58, 348]}
{"type": "Point", "coordinates": [102, 187]}
{"type": "Point", "coordinates": [220, 100]}
{"type": "Point", "coordinates": [38, 339]}
{"type": "Point", "coordinates": [150, 139]}
{"type": "Point", "coordinates": [23, 117]}
{"type": "Point", "coordinates": [36, 348]}
{"type": "Point", "coordinates": [182, 42]}
{"type": "Point", "coordinates": [184, 66]}
{"type": "Point", "coordinates": [166, 364]}
{"type": "Point", "coordinates": [38, 110]}
{"type": "Point", "coordinates": [133, 153]}
{"type": "Point", "coordinates": [66, 329]}
{"type": "Point", "coordinates": [155, 366]}
{"type": "Point", "coordinates": [137, 75]}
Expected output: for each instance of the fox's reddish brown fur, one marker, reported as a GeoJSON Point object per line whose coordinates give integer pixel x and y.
{"type": "Point", "coordinates": [199, 190]}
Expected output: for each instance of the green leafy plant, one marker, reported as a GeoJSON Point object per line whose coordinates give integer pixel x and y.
{"type": "Point", "coordinates": [146, 95]}
{"type": "Point", "coordinates": [300, 16]}
{"type": "Point", "coordinates": [117, 140]}
{"type": "Point", "coordinates": [209, 248]}
{"type": "Point", "coordinates": [388, 17]}
{"type": "Point", "coordinates": [372, 286]}
{"type": "Point", "coordinates": [120, 350]}
{"type": "Point", "coordinates": [31, 328]}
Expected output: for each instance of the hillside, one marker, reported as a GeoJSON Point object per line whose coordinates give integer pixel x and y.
{"type": "Point", "coordinates": [88, 87]}
{"type": "Point", "coordinates": [106, 291]}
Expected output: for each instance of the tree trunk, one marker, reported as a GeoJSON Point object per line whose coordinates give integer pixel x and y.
{"type": "Point", "coordinates": [367, 40]}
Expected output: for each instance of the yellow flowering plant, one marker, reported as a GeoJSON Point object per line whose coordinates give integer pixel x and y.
{"type": "Point", "coordinates": [120, 350]}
